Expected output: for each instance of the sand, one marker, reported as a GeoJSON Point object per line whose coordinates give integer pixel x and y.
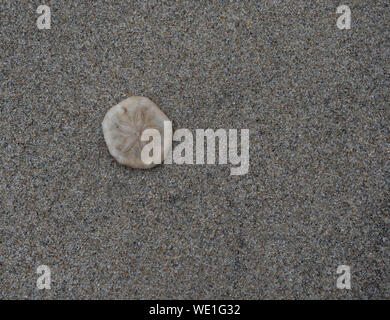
{"type": "Point", "coordinates": [316, 102]}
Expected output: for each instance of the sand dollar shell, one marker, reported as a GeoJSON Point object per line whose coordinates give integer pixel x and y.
{"type": "Point", "coordinates": [123, 126]}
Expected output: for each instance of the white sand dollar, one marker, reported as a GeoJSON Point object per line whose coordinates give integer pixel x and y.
{"type": "Point", "coordinates": [123, 126]}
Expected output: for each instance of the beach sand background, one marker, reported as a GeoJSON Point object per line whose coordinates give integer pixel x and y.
{"type": "Point", "coordinates": [316, 102]}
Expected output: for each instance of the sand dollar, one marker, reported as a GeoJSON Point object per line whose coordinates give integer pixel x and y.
{"type": "Point", "coordinates": [123, 125]}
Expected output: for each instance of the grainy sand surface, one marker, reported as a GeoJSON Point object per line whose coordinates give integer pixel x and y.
{"type": "Point", "coordinates": [316, 102]}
